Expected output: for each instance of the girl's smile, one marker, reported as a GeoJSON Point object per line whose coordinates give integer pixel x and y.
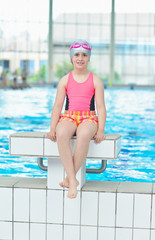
{"type": "Point", "coordinates": [80, 63]}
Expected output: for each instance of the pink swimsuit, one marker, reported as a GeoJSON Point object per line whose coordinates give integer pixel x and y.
{"type": "Point", "coordinates": [80, 96]}
{"type": "Point", "coordinates": [80, 105]}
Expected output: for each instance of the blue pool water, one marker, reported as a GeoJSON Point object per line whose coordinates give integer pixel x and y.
{"type": "Point", "coordinates": [129, 112]}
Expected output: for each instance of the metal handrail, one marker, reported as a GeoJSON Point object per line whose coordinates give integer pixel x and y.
{"type": "Point", "coordinates": [41, 165]}
{"type": "Point", "coordinates": [88, 170]}
{"type": "Point", "coordinates": [98, 170]}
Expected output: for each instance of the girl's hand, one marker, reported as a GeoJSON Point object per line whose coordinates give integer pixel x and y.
{"type": "Point", "coordinates": [51, 135]}
{"type": "Point", "coordinates": [100, 136]}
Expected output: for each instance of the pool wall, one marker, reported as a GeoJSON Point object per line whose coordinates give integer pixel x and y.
{"type": "Point", "coordinates": [102, 211]}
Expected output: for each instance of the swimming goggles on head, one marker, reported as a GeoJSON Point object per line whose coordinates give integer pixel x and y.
{"type": "Point", "coordinates": [77, 45]}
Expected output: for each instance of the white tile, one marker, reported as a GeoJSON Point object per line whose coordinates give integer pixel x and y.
{"type": "Point", "coordinates": [106, 233]}
{"type": "Point", "coordinates": [71, 232]}
{"type": "Point", "coordinates": [142, 211]}
{"type": "Point", "coordinates": [37, 205]}
{"type": "Point", "coordinates": [72, 209]}
{"type": "Point", "coordinates": [21, 231]}
{"type": "Point", "coordinates": [37, 231]}
{"type": "Point", "coordinates": [118, 146]}
{"type": "Point", "coordinates": [27, 146]}
{"type": "Point", "coordinates": [107, 209]}
{"type": "Point", "coordinates": [54, 230]}
{"type": "Point", "coordinates": [89, 208]}
{"type": "Point", "coordinates": [89, 233]}
{"type": "Point", "coordinates": [153, 213]}
{"type": "Point", "coordinates": [123, 233]}
{"type": "Point", "coordinates": [124, 214]}
{"type": "Point", "coordinates": [50, 148]}
{"type": "Point", "coordinates": [56, 173]}
{"type": "Point", "coordinates": [141, 234]}
{"type": "Point", "coordinates": [6, 204]}
{"type": "Point", "coordinates": [5, 230]}
{"type": "Point", "coordinates": [152, 234]}
{"type": "Point", "coordinates": [21, 205]}
{"type": "Point", "coordinates": [104, 150]}
{"type": "Point", "coordinates": [54, 206]}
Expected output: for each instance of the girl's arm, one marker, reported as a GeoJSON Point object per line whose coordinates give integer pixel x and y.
{"type": "Point", "coordinates": [101, 109]}
{"type": "Point", "coordinates": [57, 108]}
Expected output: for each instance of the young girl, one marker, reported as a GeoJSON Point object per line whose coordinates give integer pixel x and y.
{"type": "Point", "coordinates": [81, 88]}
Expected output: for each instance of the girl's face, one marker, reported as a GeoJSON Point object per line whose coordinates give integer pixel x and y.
{"type": "Point", "coordinates": [80, 60]}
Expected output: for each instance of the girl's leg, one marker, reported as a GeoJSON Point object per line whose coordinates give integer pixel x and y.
{"type": "Point", "coordinates": [85, 132]}
{"type": "Point", "coordinates": [64, 131]}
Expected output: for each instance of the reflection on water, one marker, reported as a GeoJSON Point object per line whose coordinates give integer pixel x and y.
{"type": "Point", "coordinates": [129, 112]}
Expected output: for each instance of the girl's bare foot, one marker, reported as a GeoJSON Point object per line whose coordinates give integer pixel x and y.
{"type": "Point", "coordinates": [72, 191]}
{"type": "Point", "coordinates": [65, 183]}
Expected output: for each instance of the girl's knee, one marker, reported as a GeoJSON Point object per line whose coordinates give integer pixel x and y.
{"type": "Point", "coordinates": [61, 133]}
{"type": "Point", "coordinates": [83, 136]}
{"type": "Point", "coordinates": [86, 133]}
{"type": "Point", "coordinates": [64, 132]}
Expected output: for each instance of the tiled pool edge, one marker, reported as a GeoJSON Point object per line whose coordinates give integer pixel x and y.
{"type": "Point", "coordinates": [102, 210]}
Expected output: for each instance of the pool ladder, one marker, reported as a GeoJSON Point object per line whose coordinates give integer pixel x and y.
{"type": "Point", "coordinates": [88, 170]}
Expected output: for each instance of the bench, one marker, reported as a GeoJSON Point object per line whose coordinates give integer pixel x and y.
{"type": "Point", "coordinates": [35, 144]}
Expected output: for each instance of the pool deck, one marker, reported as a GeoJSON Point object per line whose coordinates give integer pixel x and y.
{"type": "Point", "coordinates": [94, 186]}
{"type": "Point", "coordinates": [29, 210]}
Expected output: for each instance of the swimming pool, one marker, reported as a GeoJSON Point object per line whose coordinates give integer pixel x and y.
{"type": "Point", "coordinates": [130, 113]}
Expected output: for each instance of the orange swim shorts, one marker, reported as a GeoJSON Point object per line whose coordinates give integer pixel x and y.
{"type": "Point", "coordinates": [78, 117]}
